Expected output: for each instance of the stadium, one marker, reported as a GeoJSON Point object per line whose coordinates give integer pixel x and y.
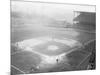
{"type": "Point", "coordinates": [49, 37]}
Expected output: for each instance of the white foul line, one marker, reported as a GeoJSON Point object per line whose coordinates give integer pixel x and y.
{"type": "Point", "coordinates": [17, 69]}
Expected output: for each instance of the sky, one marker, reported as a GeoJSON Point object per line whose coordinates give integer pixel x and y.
{"type": "Point", "coordinates": [56, 11]}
